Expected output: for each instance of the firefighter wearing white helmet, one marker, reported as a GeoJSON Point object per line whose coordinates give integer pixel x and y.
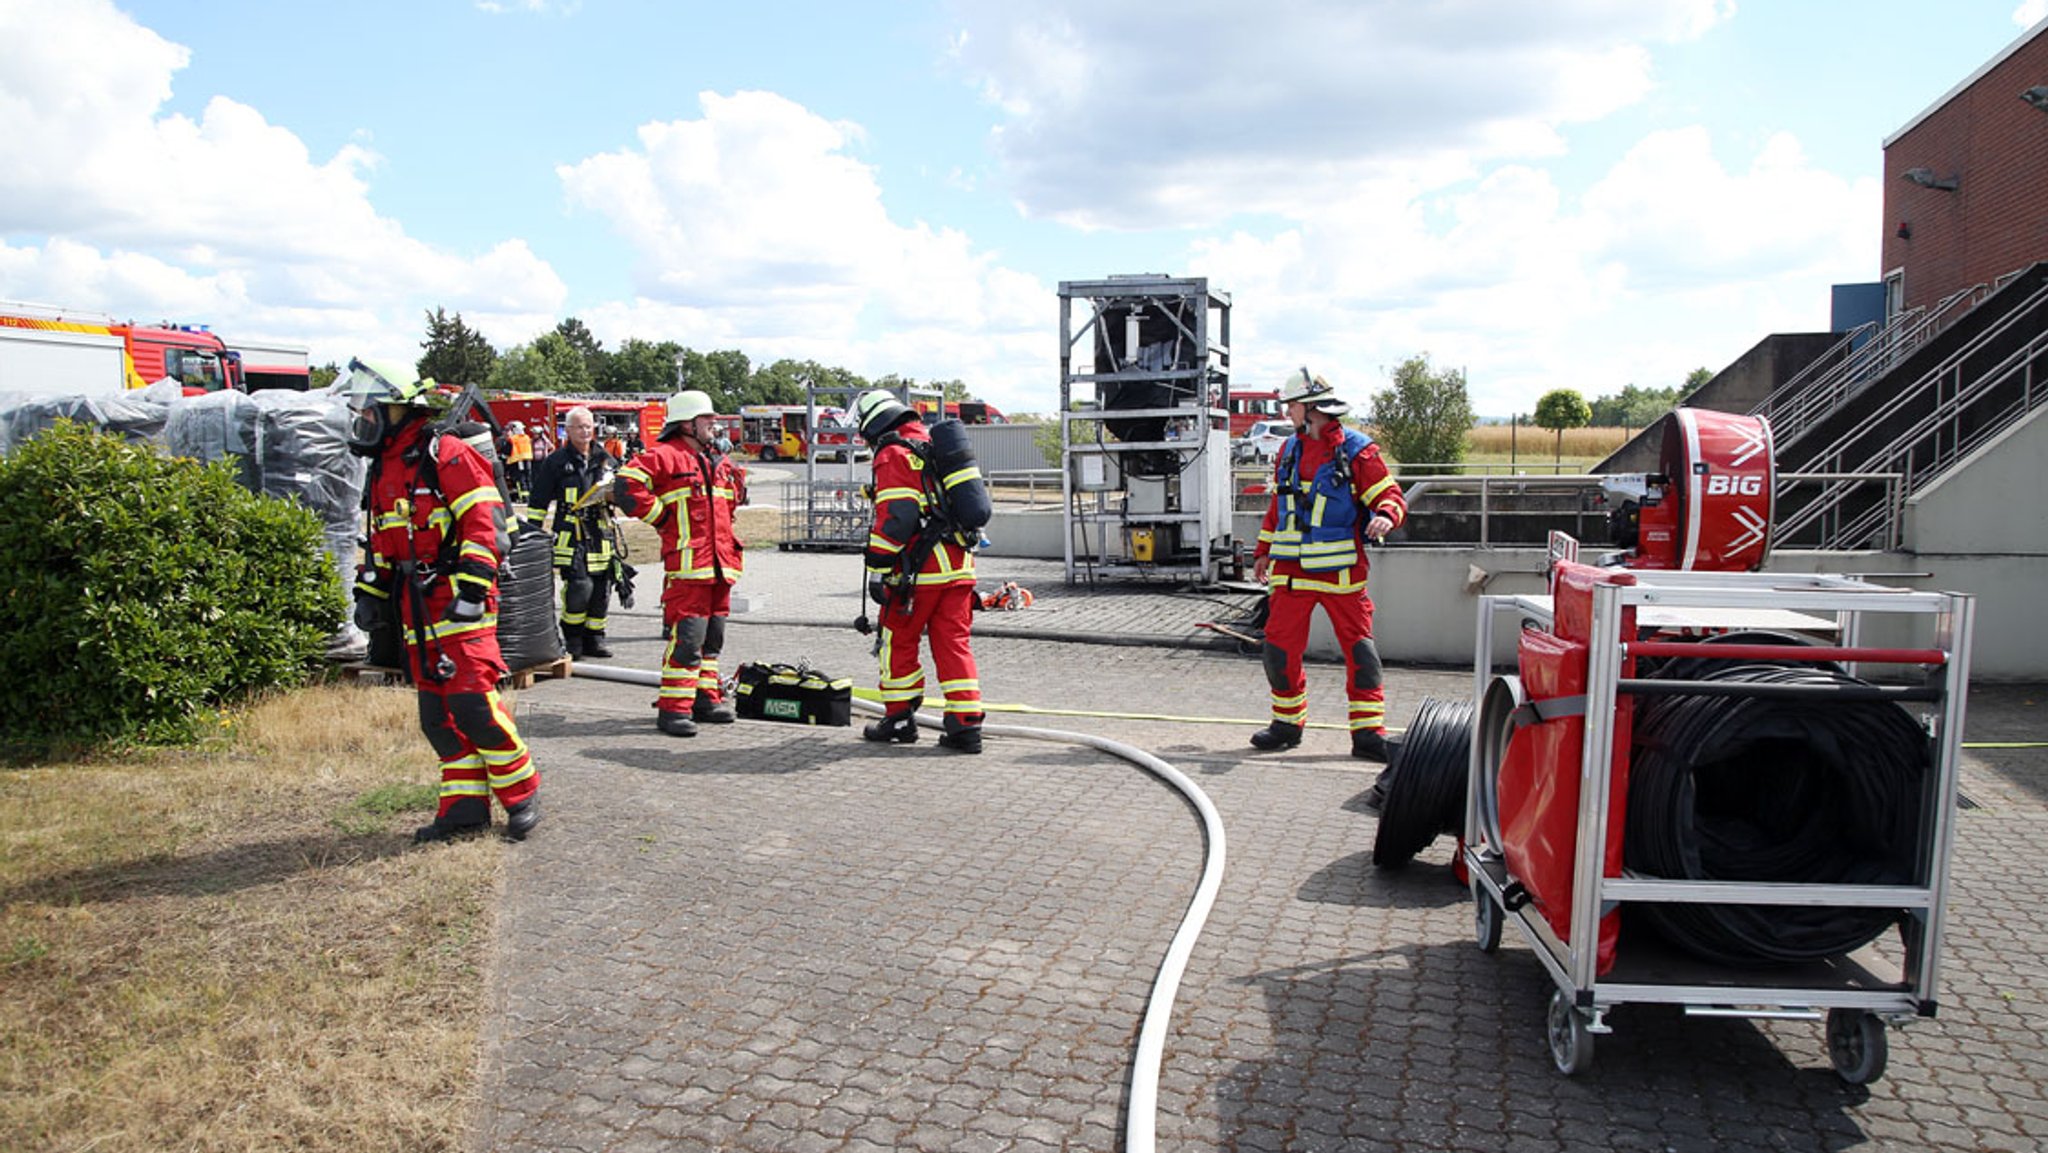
{"type": "Point", "coordinates": [437, 538]}
{"type": "Point", "coordinates": [1331, 494]}
{"type": "Point", "coordinates": [688, 489]}
{"type": "Point", "coordinates": [923, 580]}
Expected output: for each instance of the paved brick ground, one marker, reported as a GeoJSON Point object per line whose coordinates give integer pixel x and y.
{"type": "Point", "coordinates": [772, 938]}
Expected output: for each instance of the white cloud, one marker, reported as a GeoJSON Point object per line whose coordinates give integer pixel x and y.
{"type": "Point", "coordinates": [1131, 116]}
{"type": "Point", "coordinates": [1529, 291]}
{"type": "Point", "coordinates": [226, 219]}
{"type": "Point", "coordinates": [759, 227]}
{"type": "Point", "coordinates": [2030, 13]}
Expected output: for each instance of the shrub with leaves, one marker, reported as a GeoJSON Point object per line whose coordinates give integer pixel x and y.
{"type": "Point", "coordinates": [138, 591]}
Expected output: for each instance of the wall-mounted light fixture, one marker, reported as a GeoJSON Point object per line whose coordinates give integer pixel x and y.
{"type": "Point", "coordinates": [1925, 178]}
{"type": "Point", "coordinates": [1905, 230]}
{"type": "Point", "coordinates": [2037, 96]}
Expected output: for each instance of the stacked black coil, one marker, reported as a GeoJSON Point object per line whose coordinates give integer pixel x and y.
{"type": "Point", "coordinates": [1806, 791]}
{"type": "Point", "coordinates": [1422, 790]}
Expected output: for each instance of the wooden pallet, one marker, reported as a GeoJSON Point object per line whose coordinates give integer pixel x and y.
{"type": "Point", "coordinates": [555, 669]}
{"type": "Point", "coordinates": [370, 674]}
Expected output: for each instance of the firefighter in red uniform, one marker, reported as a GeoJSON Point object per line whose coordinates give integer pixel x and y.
{"type": "Point", "coordinates": [437, 535]}
{"type": "Point", "coordinates": [1331, 494]}
{"type": "Point", "coordinates": [922, 578]}
{"type": "Point", "coordinates": [687, 489]}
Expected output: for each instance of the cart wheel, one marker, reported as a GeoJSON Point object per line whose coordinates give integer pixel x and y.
{"type": "Point", "coordinates": [1571, 1043]}
{"type": "Point", "coordinates": [1486, 919]}
{"type": "Point", "coordinates": [1857, 1045]}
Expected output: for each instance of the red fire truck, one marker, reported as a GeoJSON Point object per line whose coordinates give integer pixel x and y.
{"type": "Point", "coordinates": [780, 432]}
{"type": "Point", "coordinates": [1250, 406]}
{"type": "Point", "coordinates": [52, 352]}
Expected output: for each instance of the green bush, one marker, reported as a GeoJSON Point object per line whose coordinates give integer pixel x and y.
{"type": "Point", "coordinates": [138, 591]}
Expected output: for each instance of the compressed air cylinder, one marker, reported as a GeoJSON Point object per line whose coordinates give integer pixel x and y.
{"type": "Point", "coordinates": [952, 461]}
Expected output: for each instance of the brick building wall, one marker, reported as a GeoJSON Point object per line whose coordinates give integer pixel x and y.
{"type": "Point", "coordinates": [1995, 145]}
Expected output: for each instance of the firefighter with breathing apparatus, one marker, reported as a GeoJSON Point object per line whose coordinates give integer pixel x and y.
{"type": "Point", "coordinates": [430, 564]}
{"type": "Point", "coordinates": [1331, 494]}
{"type": "Point", "coordinates": [688, 490]}
{"type": "Point", "coordinates": [930, 505]}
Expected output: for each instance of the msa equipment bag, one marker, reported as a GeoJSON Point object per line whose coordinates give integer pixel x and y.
{"type": "Point", "coordinates": [796, 693]}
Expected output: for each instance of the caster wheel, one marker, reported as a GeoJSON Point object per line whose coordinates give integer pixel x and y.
{"type": "Point", "coordinates": [1571, 1043]}
{"type": "Point", "coordinates": [1857, 1045]}
{"type": "Point", "coordinates": [1486, 919]}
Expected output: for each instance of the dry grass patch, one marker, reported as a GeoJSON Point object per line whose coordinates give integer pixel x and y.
{"type": "Point", "coordinates": [236, 947]}
{"type": "Point", "coordinates": [757, 527]}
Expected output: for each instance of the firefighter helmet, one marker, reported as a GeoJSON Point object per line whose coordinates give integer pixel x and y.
{"type": "Point", "coordinates": [877, 411]}
{"type": "Point", "coordinates": [686, 406]}
{"type": "Point", "coordinates": [373, 385]}
{"type": "Point", "coordinates": [1305, 387]}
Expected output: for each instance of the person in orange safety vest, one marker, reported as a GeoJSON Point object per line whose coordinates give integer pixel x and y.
{"type": "Point", "coordinates": [437, 538]}
{"type": "Point", "coordinates": [687, 489]}
{"type": "Point", "coordinates": [1331, 494]}
{"type": "Point", "coordinates": [922, 579]}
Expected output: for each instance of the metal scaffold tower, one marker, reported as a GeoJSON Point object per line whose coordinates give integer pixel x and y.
{"type": "Point", "coordinates": [1145, 428]}
{"type": "Point", "coordinates": [830, 512]}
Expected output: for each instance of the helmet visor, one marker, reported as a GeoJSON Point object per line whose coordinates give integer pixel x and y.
{"type": "Point", "coordinates": [365, 386]}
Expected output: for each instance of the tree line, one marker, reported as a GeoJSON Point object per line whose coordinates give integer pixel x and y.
{"type": "Point", "coordinates": [1426, 412]}
{"type": "Point", "coordinates": [569, 360]}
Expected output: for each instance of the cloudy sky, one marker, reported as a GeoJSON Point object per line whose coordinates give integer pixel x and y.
{"type": "Point", "coordinates": [1576, 193]}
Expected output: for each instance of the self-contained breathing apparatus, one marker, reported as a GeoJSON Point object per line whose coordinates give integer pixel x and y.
{"type": "Point", "coordinates": [410, 576]}
{"type": "Point", "coordinates": [957, 508]}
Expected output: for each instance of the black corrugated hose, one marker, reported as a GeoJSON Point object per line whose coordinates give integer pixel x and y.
{"type": "Point", "coordinates": [1799, 791]}
{"type": "Point", "coordinates": [1423, 789]}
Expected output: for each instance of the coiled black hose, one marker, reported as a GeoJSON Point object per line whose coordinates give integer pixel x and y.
{"type": "Point", "coordinates": [1423, 789]}
{"type": "Point", "coordinates": [1748, 789]}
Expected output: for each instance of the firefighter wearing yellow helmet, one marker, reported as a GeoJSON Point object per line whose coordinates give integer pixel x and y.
{"type": "Point", "coordinates": [436, 540]}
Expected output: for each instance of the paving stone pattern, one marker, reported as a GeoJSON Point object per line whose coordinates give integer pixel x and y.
{"type": "Point", "coordinates": [777, 938]}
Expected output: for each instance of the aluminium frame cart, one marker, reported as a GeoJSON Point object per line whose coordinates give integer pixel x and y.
{"type": "Point", "coordinates": [1859, 993]}
{"type": "Point", "coordinates": [1149, 494]}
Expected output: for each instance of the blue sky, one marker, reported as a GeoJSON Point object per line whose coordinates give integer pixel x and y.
{"type": "Point", "coordinates": [1579, 193]}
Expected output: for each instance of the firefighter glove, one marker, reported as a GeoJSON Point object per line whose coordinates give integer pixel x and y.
{"type": "Point", "coordinates": [878, 590]}
{"type": "Point", "coordinates": [467, 607]}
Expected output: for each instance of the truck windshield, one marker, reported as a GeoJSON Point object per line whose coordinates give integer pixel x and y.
{"type": "Point", "coordinates": [195, 370]}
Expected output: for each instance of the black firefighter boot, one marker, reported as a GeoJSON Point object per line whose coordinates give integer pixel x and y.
{"type": "Point", "coordinates": [710, 711]}
{"type": "Point", "coordinates": [467, 817]}
{"type": "Point", "coordinates": [675, 724]}
{"type": "Point", "coordinates": [522, 817]}
{"type": "Point", "coordinates": [572, 641]}
{"type": "Point", "coordinates": [1372, 745]}
{"type": "Point", "coordinates": [900, 728]}
{"type": "Point", "coordinates": [594, 646]}
{"type": "Point", "coordinates": [966, 740]}
{"type": "Point", "coordinates": [1277, 735]}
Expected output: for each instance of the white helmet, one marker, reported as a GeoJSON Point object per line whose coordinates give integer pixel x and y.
{"type": "Point", "coordinates": [687, 405]}
{"type": "Point", "coordinates": [876, 411]}
{"type": "Point", "coordinates": [515, 427]}
{"type": "Point", "coordinates": [1305, 387]}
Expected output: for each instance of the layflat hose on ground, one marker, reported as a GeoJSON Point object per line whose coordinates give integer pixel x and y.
{"type": "Point", "coordinates": [1423, 789]}
{"type": "Point", "coordinates": [1796, 791]}
{"type": "Point", "coordinates": [1142, 1118]}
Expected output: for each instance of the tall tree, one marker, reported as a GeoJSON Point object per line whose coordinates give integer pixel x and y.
{"type": "Point", "coordinates": [455, 352]}
{"type": "Point", "coordinates": [642, 366]}
{"type": "Point", "coordinates": [324, 375]}
{"type": "Point", "coordinates": [1560, 409]}
{"type": "Point", "coordinates": [1425, 415]}
{"type": "Point", "coordinates": [586, 346]}
{"type": "Point", "coordinates": [549, 364]}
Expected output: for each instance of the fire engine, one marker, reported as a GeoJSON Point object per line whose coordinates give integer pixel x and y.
{"type": "Point", "coordinates": [51, 352]}
{"type": "Point", "coordinates": [778, 432]}
{"type": "Point", "coordinates": [1250, 406]}
{"type": "Point", "coordinates": [965, 411]}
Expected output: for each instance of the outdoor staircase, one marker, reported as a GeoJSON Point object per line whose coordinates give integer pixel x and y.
{"type": "Point", "coordinates": [1903, 407]}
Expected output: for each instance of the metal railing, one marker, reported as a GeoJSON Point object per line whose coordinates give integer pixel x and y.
{"type": "Point", "coordinates": [1864, 354]}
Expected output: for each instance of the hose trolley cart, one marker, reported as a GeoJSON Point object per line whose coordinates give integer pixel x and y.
{"type": "Point", "coordinates": [1691, 795]}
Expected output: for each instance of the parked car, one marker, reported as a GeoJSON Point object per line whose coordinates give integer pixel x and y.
{"type": "Point", "coordinates": [1262, 441]}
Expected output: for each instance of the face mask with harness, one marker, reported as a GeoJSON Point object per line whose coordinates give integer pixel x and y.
{"type": "Point", "coordinates": [374, 389]}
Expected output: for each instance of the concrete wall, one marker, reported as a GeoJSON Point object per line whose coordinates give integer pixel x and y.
{"type": "Point", "coordinates": [1427, 612]}
{"type": "Point", "coordinates": [1993, 495]}
{"type": "Point", "coordinates": [1737, 388]}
